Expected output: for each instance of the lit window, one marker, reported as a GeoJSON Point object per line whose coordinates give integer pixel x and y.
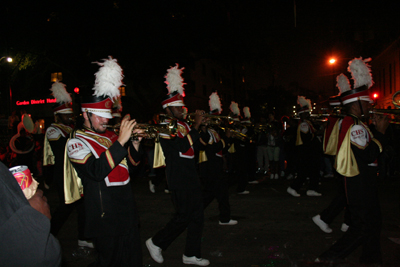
{"type": "Point", "coordinates": [122, 90]}
{"type": "Point", "coordinates": [56, 76]}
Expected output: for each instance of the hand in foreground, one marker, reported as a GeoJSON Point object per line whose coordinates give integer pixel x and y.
{"type": "Point", "coordinates": [381, 123]}
{"type": "Point", "coordinates": [125, 131]}
{"type": "Point", "coordinates": [39, 203]}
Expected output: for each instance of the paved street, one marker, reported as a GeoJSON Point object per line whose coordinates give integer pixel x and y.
{"type": "Point", "coordinates": [275, 229]}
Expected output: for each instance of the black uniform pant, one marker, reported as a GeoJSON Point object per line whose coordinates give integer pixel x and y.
{"type": "Point", "coordinates": [121, 250]}
{"type": "Point", "coordinates": [337, 205]}
{"type": "Point", "coordinates": [366, 222]}
{"type": "Point", "coordinates": [63, 211]}
{"type": "Point", "coordinates": [189, 214]}
{"type": "Point", "coordinates": [218, 189]}
{"type": "Point", "coordinates": [307, 166]}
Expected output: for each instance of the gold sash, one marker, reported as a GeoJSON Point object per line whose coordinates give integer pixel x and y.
{"type": "Point", "coordinates": [346, 163]}
{"type": "Point", "coordinates": [48, 156]}
{"type": "Point", "coordinates": [73, 188]}
{"type": "Point", "coordinates": [331, 146]}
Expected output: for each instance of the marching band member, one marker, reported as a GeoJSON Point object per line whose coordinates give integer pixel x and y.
{"type": "Point", "coordinates": [273, 145]}
{"type": "Point", "coordinates": [237, 152]}
{"type": "Point", "coordinates": [331, 137]}
{"type": "Point", "coordinates": [357, 152]}
{"type": "Point", "coordinates": [53, 155]}
{"type": "Point", "coordinates": [183, 181]}
{"type": "Point", "coordinates": [307, 152]}
{"type": "Point", "coordinates": [98, 158]}
{"type": "Point", "coordinates": [211, 166]}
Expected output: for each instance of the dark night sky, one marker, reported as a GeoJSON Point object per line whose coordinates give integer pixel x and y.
{"type": "Point", "coordinates": [149, 36]}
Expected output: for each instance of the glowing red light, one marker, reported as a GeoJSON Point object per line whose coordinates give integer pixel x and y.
{"type": "Point", "coordinates": [76, 90]}
{"type": "Point", "coordinates": [375, 95]}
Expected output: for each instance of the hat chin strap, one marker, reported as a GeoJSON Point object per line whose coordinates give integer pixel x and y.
{"type": "Point", "coordinates": [91, 125]}
{"type": "Point", "coordinates": [361, 109]}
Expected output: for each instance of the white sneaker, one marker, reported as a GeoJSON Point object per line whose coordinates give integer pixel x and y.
{"type": "Point", "coordinates": [155, 252]}
{"type": "Point", "coordinates": [244, 193]}
{"type": "Point", "coordinates": [329, 175]}
{"type": "Point", "coordinates": [152, 187]}
{"type": "Point", "coordinates": [271, 176]}
{"type": "Point", "coordinates": [195, 261]}
{"type": "Point", "coordinates": [85, 243]}
{"type": "Point", "coordinates": [166, 191]}
{"type": "Point", "coordinates": [344, 227]}
{"type": "Point", "coordinates": [276, 176]}
{"type": "Point", "coordinates": [321, 224]}
{"type": "Point", "coordinates": [253, 182]}
{"type": "Point", "coordinates": [282, 173]}
{"type": "Point", "coordinates": [289, 177]}
{"type": "Point", "coordinates": [231, 222]}
{"type": "Point", "coordinates": [312, 193]}
{"type": "Point", "coordinates": [292, 192]}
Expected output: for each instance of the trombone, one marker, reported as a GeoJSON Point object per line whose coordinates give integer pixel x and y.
{"type": "Point", "coordinates": [389, 112]}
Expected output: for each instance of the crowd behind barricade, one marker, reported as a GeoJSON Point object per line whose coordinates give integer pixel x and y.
{"type": "Point", "coordinates": [196, 157]}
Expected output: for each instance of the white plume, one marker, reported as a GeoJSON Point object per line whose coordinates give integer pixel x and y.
{"type": "Point", "coordinates": [60, 93]}
{"type": "Point", "coordinates": [343, 83]}
{"type": "Point", "coordinates": [215, 102]}
{"type": "Point", "coordinates": [246, 112]}
{"type": "Point", "coordinates": [108, 78]}
{"type": "Point", "coordinates": [302, 101]}
{"type": "Point", "coordinates": [361, 72]}
{"type": "Point", "coordinates": [235, 108]}
{"type": "Point", "coordinates": [174, 80]}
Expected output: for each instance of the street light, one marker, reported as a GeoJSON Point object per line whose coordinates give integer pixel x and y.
{"type": "Point", "coordinates": [9, 60]}
{"type": "Point", "coordinates": [332, 61]}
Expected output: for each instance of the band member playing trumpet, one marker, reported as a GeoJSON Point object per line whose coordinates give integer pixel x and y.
{"type": "Point", "coordinates": [330, 145]}
{"type": "Point", "coordinates": [183, 181]}
{"type": "Point", "coordinates": [308, 155]}
{"type": "Point", "coordinates": [356, 161]}
{"type": "Point", "coordinates": [98, 157]}
{"type": "Point", "coordinates": [237, 152]}
{"type": "Point", "coordinates": [211, 166]}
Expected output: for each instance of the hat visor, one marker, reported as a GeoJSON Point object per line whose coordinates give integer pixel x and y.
{"type": "Point", "coordinates": [103, 114]}
{"type": "Point", "coordinates": [65, 111]}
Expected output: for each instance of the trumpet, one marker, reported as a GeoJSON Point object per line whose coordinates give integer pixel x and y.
{"type": "Point", "coordinates": [214, 119]}
{"type": "Point", "coordinates": [385, 111]}
{"type": "Point", "coordinates": [237, 134]}
{"type": "Point", "coordinates": [151, 131]}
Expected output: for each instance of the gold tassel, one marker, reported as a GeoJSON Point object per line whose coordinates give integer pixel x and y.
{"type": "Point", "coordinates": [232, 149]}
{"type": "Point", "coordinates": [299, 142]}
{"type": "Point", "coordinates": [202, 156]}
{"type": "Point", "coordinates": [159, 159]}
